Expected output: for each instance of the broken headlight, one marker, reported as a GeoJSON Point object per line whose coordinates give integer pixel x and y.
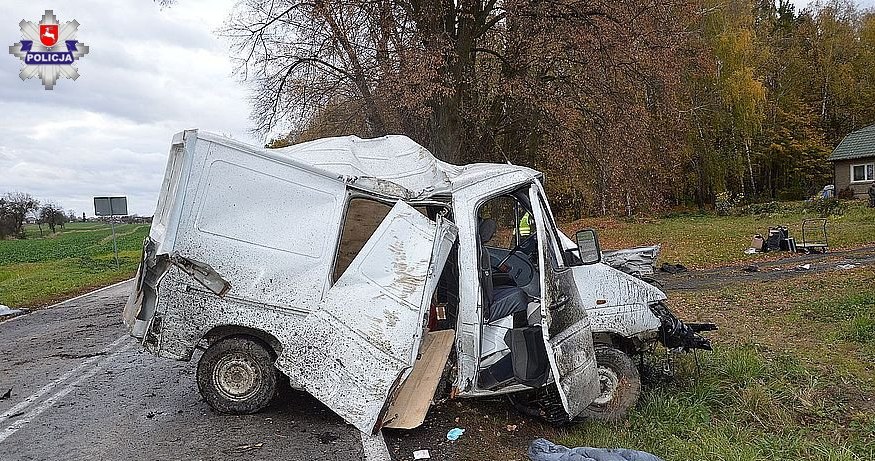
{"type": "Point", "coordinates": [675, 334]}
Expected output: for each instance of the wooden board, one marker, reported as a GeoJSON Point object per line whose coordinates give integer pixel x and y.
{"type": "Point", "coordinates": [411, 404]}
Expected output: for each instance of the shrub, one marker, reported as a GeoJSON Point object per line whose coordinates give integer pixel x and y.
{"type": "Point", "coordinates": [825, 207]}
{"type": "Point", "coordinates": [846, 193]}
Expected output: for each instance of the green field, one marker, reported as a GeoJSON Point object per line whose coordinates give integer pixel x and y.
{"type": "Point", "coordinates": [40, 270]}
{"type": "Point", "coordinates": [705, 240]}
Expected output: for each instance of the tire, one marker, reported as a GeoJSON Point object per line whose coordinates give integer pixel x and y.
{"type": "Point", "coordinates": [621, 386]}
{"type": "Point", "coordinates": [236, 375]}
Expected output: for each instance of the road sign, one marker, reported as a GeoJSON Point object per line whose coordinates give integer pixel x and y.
{"type": "Point", "coordinates": [110, 206]}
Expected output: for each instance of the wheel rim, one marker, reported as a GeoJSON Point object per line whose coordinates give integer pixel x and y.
{"type": "Point", "coordinates": [235, 376]}
{"type": "Point", "coordinates": [609, 381]}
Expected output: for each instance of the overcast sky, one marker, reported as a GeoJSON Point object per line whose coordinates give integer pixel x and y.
{"type": "Point", "coordinates": [150, 73]}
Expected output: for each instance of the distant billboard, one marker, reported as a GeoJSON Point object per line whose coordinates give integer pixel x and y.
{"type": "Point", "coordinates": [111, 206]}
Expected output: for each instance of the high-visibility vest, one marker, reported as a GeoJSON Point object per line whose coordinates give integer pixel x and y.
{"type": "Point", "coordinates": [525, 229]}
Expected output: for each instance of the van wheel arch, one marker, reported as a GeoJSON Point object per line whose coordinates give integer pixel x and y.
{"type": "Point", "coordinates": [220, 332]}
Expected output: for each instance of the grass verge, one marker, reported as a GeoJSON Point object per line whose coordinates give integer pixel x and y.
{"type": "Point", "coordinates": [703, 240]}
{"type": "Point", "coordinates": [41, 270]}
{"type": "Point", "coordinates": [791, 378]}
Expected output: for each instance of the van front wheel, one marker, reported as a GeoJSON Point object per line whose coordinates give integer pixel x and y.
{"type": "Point", "coordinates": [620, 385]}
{"type": "Point", "coordinates": [236, 375]}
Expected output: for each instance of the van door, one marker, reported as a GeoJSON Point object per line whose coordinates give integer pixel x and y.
{"type": "Point", "coordinates": [564, 322]}
{"type": "Point", "coordinates": [361, 341]}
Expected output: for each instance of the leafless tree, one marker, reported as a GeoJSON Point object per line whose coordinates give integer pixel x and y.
{"type": "Point", "coordinates": [14, 208]}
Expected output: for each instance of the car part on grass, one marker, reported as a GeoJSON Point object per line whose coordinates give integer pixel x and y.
{"type": "Point", "coordinates": [634, 261]}
{"type": "Point", "coordinates": [620, 385]}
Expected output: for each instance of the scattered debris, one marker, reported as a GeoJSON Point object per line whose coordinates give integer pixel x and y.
{"type": "Point", "coordinates": [6, 310]}
{"type": "Point", "coordinates": [804, 267]}
{"type": "Point", "coordinates": [756, 243]}
{"type": "Point", "coordinates": [752, 268]}
{"type": "Point", "coordinates": [247, 447]}
{"type": "Point", "coordinates": [455, 433]}
{"type": "Point", "coordinates": [751, 251]}
{"type": "Point", "coordinates": [544, 450]}
{"type": "Point", "coordinates": [421, 454]}
{"type": "Point", "coordinates": [634, 261]}
{"type": "Point", "coordinates": [846, 266]}
{"type": "Point", "coordinates": [511, 428]}
{"type": "Point", "coordinates": [328, 437]}
{"type": "Point", "coordinates": [673, 268]}
{"type": "Point", "coordinates": [778, 239]}
{"type": "Point", "coordinates": [6, 395]}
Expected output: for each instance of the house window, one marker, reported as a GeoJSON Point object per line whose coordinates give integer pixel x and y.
{"type": "Point", "coordinates": [864, 172]}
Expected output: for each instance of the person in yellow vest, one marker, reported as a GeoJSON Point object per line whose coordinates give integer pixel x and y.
{"type": "Point", "coordinates": [525, 228]}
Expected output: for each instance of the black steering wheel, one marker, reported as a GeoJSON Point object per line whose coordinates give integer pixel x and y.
{"type": "Point", "coordinates": [516, 248]}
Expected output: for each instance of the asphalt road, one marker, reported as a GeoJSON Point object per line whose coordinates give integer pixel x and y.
{"type": "Point", "coordinates": [83, 390]}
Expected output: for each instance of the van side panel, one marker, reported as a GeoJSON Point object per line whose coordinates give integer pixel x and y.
{"type": "Point", "coordinates": [266, 227]}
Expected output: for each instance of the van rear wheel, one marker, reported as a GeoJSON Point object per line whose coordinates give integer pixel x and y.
{"type": "Point", "coordinates": [236, 375]}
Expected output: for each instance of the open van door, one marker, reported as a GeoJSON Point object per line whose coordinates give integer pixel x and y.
{"type": "Point", "coordinates": [564, 322]}
{"type": "Point", "coordinates": [361, 341]}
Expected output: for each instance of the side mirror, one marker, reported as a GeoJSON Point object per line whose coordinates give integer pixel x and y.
{"type": "Point", "coordinates": [588, 246]}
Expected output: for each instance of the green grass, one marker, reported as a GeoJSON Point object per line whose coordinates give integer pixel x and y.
{"type": "Point", "coordinates": [706, 240]}
{"type": "Point", "coordinates": [39, 270]}
{"type": "Point", "coordinates": [792, 377]}
{"type": "Point", "coordinates": [741, 405]}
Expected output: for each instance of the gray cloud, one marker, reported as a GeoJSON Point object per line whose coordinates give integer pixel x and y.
{"type": "Point", "coordinates": [151, 72]}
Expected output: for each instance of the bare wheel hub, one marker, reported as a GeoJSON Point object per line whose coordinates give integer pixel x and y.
{"type": "Point", "coordinates": [609, 382]}
{"type": "Point", "coordinates": [236, 377]}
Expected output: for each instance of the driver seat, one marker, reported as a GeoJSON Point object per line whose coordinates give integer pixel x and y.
{"type": "Point", "coordinates": [503, 300]}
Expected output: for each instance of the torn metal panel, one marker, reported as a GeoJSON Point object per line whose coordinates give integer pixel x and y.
{"type": "Point", "coordinates": [352, 350]}
{"type": "Point", "coordinates": [203, 273]}
{"type": "Point", "coordinates": [635, 261]}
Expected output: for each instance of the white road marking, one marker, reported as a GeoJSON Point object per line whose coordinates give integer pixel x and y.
{"type": "Point", "coordinates": [71, 299]}
{"type": "Point", "coordinates": [373, 446]}
{"type": "Point", "coordinates": [13, 318]}
{"type": "Point", "coordinates": [21, 406]}
{"type": "Point", "coordinates": [49, 402]}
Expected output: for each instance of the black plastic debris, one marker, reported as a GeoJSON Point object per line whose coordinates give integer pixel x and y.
{"type": "Point", "coordinates": [6, 395]}
{"type": "Point", "coordinates": [673, 268]}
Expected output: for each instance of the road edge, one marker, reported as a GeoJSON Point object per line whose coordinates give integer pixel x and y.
{"type": "Point", "coordinates": [69, 300]}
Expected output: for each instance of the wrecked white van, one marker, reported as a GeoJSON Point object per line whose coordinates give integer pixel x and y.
{"type": "Point", "coordinates": [368, 272]}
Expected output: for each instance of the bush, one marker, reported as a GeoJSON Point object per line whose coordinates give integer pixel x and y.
{"type": "Point", "coordinates": [846, 193]}
{"type": "Point", "coordinates": [761, 208]}
{"type": "Point", "coordinates": [825, 207]}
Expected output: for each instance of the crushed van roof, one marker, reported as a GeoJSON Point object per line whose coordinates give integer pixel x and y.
{"type": "Point", "coordinates": [397, 159]}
